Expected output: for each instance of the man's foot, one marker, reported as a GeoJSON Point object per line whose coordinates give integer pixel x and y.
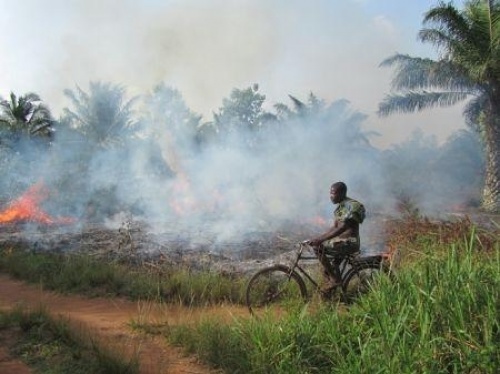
{"type": "Point", "coordinates": [328, 288]}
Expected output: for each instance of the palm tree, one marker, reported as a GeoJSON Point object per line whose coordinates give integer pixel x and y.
{"type": "Point", "coordinates": [25, 116]}
{"type": "Point", "coordinates": [102, 116]}
{"type": "Point", "coordinates": [468, 68]}
{"type": "Point", "coordinates": [335, 121]}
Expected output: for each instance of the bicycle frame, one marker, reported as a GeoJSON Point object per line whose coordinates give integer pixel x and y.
{"type": "Point", "coordinates": [355, 272]}
{"type": "Point", "coordinates": [343, 266]}
{"type": "Point", "coordinates": [301, 270]}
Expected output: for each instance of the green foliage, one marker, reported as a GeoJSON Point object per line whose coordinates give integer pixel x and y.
{"type": "Point", "coordinates": [468, 68]}
{"type": "Point", "coordinates": [103, 116]}
{"type": "Point", "coordinates": [24, 116]}
{"type": "Point", "coordinates": [446, 170]}
{"type": "Point", "coordinates": [468, 41]}
{"type": "Point", "coordinates": [243, 109]}
{"type": "Point", "coordinates": [166, 111]}
{"type": "Point", "coordinates": [440, 316]}
{"type": "Point", "coordinates": [241, 114]}
{"type": "Point", "coordinates": [100, 277]}
{"type": "Point", "coordinates": [26, 131]}
{"type": "Point", "coordinates": [335, 123]}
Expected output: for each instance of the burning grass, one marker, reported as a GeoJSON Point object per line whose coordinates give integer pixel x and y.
{"type": "Point", "coordinates": [27, 208]}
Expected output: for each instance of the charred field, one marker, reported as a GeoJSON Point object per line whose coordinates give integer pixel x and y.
{"type": "Point", "coordinates": [138, 243]}
{"type": "Point", "coordinates": [171, 243]}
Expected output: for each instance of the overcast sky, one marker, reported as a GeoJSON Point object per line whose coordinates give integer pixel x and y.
{"type": "Point", "coordinates": [205, 48]}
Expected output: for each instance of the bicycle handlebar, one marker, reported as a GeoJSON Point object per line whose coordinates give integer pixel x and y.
{"type": "Point", "coordinates": [305, 244]}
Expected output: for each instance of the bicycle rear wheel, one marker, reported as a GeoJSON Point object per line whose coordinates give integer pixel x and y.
{"type": "Point", "coordinates": [360, 279]}
{"type": "Point", "coordinates": [274, 290]}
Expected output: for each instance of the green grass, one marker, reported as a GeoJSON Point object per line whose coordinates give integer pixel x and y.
{"type": "Point", "coordinates": [69, 273]}
{"type": "Point", "coordinates": [440, 316]}
{"type": "Point", "coordinates": [48, 345]}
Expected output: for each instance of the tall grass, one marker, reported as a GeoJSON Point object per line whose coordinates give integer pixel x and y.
{"type": "Point", "coordinates": [440, 316]}
{"type": "Point", "coordinates": [100, 277]}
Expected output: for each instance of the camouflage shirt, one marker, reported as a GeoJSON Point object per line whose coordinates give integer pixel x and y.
{"type": "Point", "coordinates": [349, 209]}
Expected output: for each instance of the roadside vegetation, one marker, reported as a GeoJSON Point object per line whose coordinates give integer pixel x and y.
{"type": "Point", "coordinates": [439, 316]}
{"type": "Point", "coordinates": [49, 345]}
{"type": "Point", "coordinates": [94, 276]}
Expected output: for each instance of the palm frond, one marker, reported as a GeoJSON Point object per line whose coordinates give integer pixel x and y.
{"type": "Point", "coordinates": [299, 105]}
{"type": "Point", "coordinates": [417, 101]}
{"type": "Point", "coordinates": [414, 74]}
{"type": "Point", "coordinates": [447, 18]}
{"type": "Point", "coordinates": [473, 110]}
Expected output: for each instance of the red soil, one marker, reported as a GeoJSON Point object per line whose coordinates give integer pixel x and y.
{"type": "Point", "coordinates": [107, 321]}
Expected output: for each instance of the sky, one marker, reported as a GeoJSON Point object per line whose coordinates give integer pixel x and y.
{"type": "Point", "coordinates": [206, 48]}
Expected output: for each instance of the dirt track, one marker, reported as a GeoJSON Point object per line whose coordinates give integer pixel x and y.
{"type": "Point", "coordinates": [107, 321]}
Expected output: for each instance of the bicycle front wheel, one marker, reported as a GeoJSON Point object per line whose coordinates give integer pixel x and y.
{"type": "Point", "coordinates": [274, 290]}
{"type": "Point", "coordinates": [360, 280]}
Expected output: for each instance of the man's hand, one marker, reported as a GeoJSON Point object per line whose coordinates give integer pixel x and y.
{"type": "Point", "coordinates": [313, 242]}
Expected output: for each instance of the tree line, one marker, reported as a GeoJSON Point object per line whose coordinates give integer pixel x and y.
{"type": "Point", "coordinates": [103, 118]}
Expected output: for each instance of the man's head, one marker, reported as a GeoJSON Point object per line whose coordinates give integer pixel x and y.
{"type": "Point", "coordinates": [338, 192]}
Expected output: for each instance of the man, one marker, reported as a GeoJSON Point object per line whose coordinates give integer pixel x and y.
{"type": "Point", "coordinates": [342, 239]}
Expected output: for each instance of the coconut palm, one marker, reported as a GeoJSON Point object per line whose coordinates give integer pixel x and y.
{"type": "Point", "coordinates": [25, 116]}
{"type": "Point", "coordinates": [468, 68]}
{"type": "Point", "coordinates": [102, 116]}
{"type": "Point", "coordinates": [336, 121]}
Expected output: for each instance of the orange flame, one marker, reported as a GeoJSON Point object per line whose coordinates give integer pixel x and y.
{"type": "Point", "coordinates": [26, 208]}
{"type": "Point", "coordinates": [184, 201]}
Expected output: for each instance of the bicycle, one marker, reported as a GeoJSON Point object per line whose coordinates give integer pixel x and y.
{"type": "Point", "coordinates": [274, 287]}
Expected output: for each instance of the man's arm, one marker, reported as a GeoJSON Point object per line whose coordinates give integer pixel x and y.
{"type": "Point", "coordinates": [334, 231]}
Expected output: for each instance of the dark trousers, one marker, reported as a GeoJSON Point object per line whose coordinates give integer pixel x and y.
{"type": "Point", "coordinates": [331, 255]}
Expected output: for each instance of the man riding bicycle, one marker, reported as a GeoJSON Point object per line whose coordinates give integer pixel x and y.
{"type": "Point", "coordinates": [342, 239]}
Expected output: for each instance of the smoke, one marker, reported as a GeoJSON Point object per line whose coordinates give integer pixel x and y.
{"type": "Point", "coordinates": [266, 179]}
{"type": "Point", "coordinates": [225, 186]}
{"type": "Point", "coordinates": [206, 48]}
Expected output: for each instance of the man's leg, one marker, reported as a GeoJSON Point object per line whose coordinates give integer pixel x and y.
{"type": "Point", "coordinates": [325, 260]}
{"type": "Point", "coordinates": [331, 277]}
{"type": "Point", "coordinates": [338, 252]}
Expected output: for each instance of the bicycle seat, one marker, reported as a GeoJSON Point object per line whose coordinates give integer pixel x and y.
{"type": "Point", "coordinates": [370, 258]}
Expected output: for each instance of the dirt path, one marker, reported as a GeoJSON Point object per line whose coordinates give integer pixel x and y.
{"type": "Point", "coordinates": [107, 321]}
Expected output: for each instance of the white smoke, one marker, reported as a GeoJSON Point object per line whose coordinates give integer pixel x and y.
{"type": "Point", "coordinates": [206, 48]}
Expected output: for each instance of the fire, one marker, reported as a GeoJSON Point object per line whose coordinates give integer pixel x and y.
{"type": "Point", "coordinates": [184, 200]}
{"type": "Point", "coordinates": [182, 197]}
{"type": "Point", "coordinates": [26, 208]}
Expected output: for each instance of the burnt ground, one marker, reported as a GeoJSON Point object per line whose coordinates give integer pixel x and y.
{"type": "Point", "coordinates": [137, 243]}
